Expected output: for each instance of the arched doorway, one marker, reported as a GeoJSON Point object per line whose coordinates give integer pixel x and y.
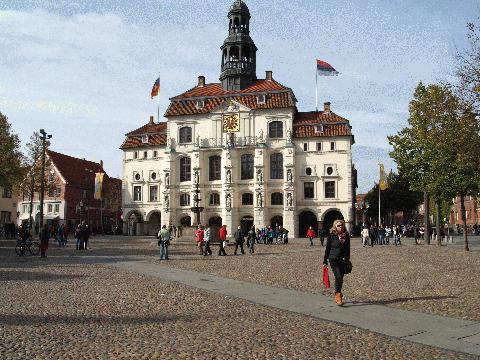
{"type": "Point", "coordinates": [154, 223]}
{"type": "Point", "coordinates": [276, 220]}
{"type": "Point", "coordinates": [305, 220]}
{"type": "Point", "coordinates": [329, 217]}
{"type": "Point", "coordinates": [215, 223]}
{"type": "Point", "coordinates": [134, 223]}
{"type": "Point", "coordinates": [246, 223]}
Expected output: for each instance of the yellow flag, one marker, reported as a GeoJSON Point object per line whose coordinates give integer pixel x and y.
{"type": "Point", "coordinates": [98, 186]}
{"type": "Point", "coordinates": [383, 178]}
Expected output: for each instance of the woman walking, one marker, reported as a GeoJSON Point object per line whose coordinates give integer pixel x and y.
{"type": "Point", "coordinates": [337, 253]}
{"type": "Point", "coordinates": [310, 235]}
{"type": "Point", "coordinates": [44, 237]}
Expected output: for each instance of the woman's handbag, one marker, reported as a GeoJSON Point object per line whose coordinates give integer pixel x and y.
{"type": "Point", "coordinates": [348, 266]}
{"type": "Point", "coordinates": [326, 278]}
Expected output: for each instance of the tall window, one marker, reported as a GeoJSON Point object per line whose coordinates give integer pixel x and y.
{"type": "Point", "coordinates": [332, 145]}
{"type": "Point", "coordinates": [276, 166]}
{"type": "Point", "coordinates": [185, 169]}
{"type": "Point", "coordinates": [57, 208]}
{"type": "Point", "coordinates": [137, 193]}
{"type": "Point", "coordinates": [185, 135]}
{"type": "Point", "coordinates": [214, 199]}
{"type": "Point", "coordinates": [308, 190]}
{"type": "Point", "coordinates": [154, 193]}
{"type": "Point", "coordinates": [215, 167]}
{"type": "Point", "coordinates": [329, 189]}
{"type": "Point", "coordinates": [247, 166]}
{"type": "Point", "coordinates": [247, 199]}
{"type": "Point", "coordinates": [277, 198]}
{"type": "Point", "coordinates": [7, 193]}
{"type": "Point", "coordinates": [275, 129]}
{"type": "Point", "coordinates": [184, 200]}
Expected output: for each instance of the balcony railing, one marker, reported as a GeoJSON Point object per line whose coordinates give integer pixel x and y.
{"type": "Point", "coordinates": [224, 143]}
{"type": "Point", "coordinates": [244, 65]}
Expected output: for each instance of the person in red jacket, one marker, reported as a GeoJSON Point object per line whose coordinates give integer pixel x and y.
{"type": "Point", "coordinates": [222, 235]}
{"type": "Point", "coordinates": [199, 234]}
{"type": "Point", "coordinates": [310, 235]}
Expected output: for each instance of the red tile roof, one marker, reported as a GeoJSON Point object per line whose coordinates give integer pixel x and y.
{"type": "Point", "coordinates": [150, 128]}
{"type": "Point", "coordinates": [332, 125]}
{"type": "Point", "coordinates": [136, 141]}
{"type": "Point", "coordinates": [277, 96]}
{"type": "Point", "coordinates": [75, 171]}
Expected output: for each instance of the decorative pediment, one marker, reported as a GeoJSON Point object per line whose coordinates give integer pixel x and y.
{"type": "Point", "coordinates": [229, 107]}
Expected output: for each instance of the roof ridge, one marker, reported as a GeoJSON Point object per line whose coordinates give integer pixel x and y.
{"type": "Point", "coordinates": [72, 157]}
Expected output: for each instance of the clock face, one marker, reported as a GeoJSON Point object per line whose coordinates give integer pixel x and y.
{"type": "Point", "coordinates": [231, 123]}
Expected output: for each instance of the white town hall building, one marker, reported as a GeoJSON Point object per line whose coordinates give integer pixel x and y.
{"type": "Point", "coordinates": [244, 148]}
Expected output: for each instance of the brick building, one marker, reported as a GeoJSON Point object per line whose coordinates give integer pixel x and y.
{"type": "Point", "coordinates": [71, 198]}
{"type": "Point", "coordinates": [471, 211]}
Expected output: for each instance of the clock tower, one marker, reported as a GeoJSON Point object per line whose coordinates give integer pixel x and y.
{"type": "Point", "coordinates": [238, 50]}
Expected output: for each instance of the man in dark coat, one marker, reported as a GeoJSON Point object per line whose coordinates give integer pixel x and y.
{"type": "Point", "coordinates": [239, 240]}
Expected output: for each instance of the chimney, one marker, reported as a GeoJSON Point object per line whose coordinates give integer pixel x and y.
{"type": "Point", "coordinates": [101, 164]}
{"type": "Point", "coordinates": [326, 107]}
{"type": "Point", "coordinates": [201, 81]}
{"type": "Point", "coordinates": [269, 75]}
{"type": "Point", "coordinates": [151, 120]}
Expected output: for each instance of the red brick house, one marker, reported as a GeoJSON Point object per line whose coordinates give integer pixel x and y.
{"type": "Point", "coordinates": [71, 198]}
{"type": "Point", "coordinates": [471, 211]}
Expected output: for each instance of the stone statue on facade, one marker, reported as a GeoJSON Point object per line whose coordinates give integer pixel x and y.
{"type": "Point", "coordinates": [289, 199]}
{"type": "Point", "coordinates": [259, 200]}
{"type": "Point", "coordinates": [260, 136]}
{"type": "Point", "coordinates": [289, 136]}
{"type": "Point", "coordinates": [167, 179]}
{"type": "Point", "coordinates": [229, 176]}
{"type": "Point", "coordinates": [228, 201]}
{"type": "Point", "coordinates": [260, 176]}
{"type": "Point", "coordinates": [289, 176]}
{"type": "Point", "coordinates": [197, 142]}
{"type": "Point", "coordinates": [167, 202]}
{"type": "Point", "coordinates": [196, 177]}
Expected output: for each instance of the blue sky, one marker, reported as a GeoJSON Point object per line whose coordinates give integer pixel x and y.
{"type": "Point", "coordinates": [83, 70]}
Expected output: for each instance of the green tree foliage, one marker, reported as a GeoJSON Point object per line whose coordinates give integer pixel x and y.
{"type": "Point", "coordinates": [397, 197]}
{"type": "Point", "coordinates": [439, 150]}
{"type": "Point", "coordinates": [10, 155]}
{"type": "Point", "coordinates": [468, 70]}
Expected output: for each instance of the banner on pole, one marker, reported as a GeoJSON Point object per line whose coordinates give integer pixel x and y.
{"type": "Point", "coordinates": [98, 186]}
{"type": "Point", "coordinates": [383, 178]}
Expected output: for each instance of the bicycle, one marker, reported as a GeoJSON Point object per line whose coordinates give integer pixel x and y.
{"type": "Point", "coordinates": [21, 247]}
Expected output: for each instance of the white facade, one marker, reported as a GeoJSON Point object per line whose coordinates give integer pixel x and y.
{"type": "Point", "coordinates": [315, 160]}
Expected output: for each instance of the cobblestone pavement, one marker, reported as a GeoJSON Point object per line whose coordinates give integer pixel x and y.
{"type": "Point", "coordinates": [73, 305]}
{"type": "Point", "coordinates": [431, 279]}
{"type": "Point", "coordinates": [69, 307]}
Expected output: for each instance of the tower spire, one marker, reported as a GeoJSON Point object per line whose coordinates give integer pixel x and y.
{"type": "Point", "coordinates": [238, 50]}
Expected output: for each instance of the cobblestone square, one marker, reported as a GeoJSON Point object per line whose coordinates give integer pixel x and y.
{"type": "Point", "coordinates": [76, 305]}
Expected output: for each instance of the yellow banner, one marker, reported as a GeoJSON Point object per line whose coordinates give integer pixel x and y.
{"type": "Point", "coordinates": [98, 186]}
{"type": "Point", "coordinates": [383, 178]}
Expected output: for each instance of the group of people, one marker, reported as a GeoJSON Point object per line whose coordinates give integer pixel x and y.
{"type": "Point", "coordinates": [381, 235]}
{"type": "Point", "coordinates": [205, 234]}
{"type": "Point", "coordinates": [82, 236]}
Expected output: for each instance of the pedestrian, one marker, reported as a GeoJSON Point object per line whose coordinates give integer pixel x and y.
{"type": "Point", "coordinates": [310, 235]}
{"type": "Point", "coordinates": [239, 240]}
{"type": "Point", "coordinates": [78, 237]}
{"type": "Point", "coordinates": [199, 238]}
{"type": "Point", "coordinates": [222, 235]}
{"type": "Point", "coordinates": [337, 253]}
{"type": "Point", "coordinates": [322, 236]}
{"type": "Point", "coordinates": [44, 237]}
{"type": "Point", "coordinates": [251, 238]}
{"type": "Point", "coordinates": [85, 234]}
{"type": "Point", "coordinates": [365, 236]}
{"type": "Point", "coordinates": [207, 238]}
{"type": "Point", "coordinates": [164, 242]}
{"type": "Point", "coordinates": [271, 235]}
{"type": "Point", "coordinates": [371, 234]}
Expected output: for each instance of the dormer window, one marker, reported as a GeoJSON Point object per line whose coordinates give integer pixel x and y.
{"type": "Point", "coordinates": [261, 99]}
{"type": "Point", "coordinates": [319, 128]}
{"type": "Point", "coordinates": [144, 139]}
{"type": "Point", "coordinates": [200, 104]}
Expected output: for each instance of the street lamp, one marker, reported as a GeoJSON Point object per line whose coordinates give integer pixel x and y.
{"type": "Point", "coordinates": [44, 138]}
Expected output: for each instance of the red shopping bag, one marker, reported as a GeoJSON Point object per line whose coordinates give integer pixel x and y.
{"type": "Point", "coordinates": [326, 278]}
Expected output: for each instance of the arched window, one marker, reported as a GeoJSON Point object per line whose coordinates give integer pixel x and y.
{"type": "Point", "coordinates": [234, 53]}
{"type": "Point", "coordinates": [247, 199]}
{"type": "Point", "coordinates": [275, 129]}
{"type": "Point", "coordinates": [185, 169]}
{"type": "Point", "coordinates": [277, 198]}
{"type": "Point", "coordinates": [215, 167]}
{"type": "Point", "coordinates": [185, 199]}
{"type": "Point", "coordinates": [247, 166]}
{"type": "Point", "coordinates": [185, 135]}
{"type": "Point", "coordinates": [276, 166]}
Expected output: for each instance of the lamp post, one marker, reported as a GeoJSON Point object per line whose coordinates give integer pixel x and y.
{"type": "Point", "coordinates": [44, 137]}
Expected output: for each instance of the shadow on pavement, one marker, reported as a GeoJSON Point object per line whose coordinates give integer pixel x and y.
{"type": "Point", "coordinates": [393, 301]}
{"type": "Point", "coordinates": [35, 276]}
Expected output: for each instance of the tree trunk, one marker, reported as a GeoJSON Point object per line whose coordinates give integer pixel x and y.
{"type": "Point", "coordinates": [32, 192]}
{"type": "Point", "coordinates": [426, 218]}
{"type": "Point", "coordinates": [464, 219]}
{"type": "Point", "coordinates": [437, 225]}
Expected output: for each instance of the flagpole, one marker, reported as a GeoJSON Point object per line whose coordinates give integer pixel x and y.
{"type": "Point", "coordinates": [158, 97]}
{"type": "Point", "coordinates": [316, 89]}
{"type": "Point", "coordinates": [379, 195]}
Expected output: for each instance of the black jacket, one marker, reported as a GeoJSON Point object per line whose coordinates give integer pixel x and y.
{"type": "Point", "coordinates": [335, 250]}
{"type": "Point", "coordinates": [239, 237]}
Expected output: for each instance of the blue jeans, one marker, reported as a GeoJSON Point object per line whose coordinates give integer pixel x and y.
{"type": "Point", "coordinates": [163, 250]}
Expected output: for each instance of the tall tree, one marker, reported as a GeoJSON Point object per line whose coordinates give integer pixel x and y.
{"type": "Point", "coordinates": [439, 150]}
{"type": "Point", "coordinates": [10, 155]}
